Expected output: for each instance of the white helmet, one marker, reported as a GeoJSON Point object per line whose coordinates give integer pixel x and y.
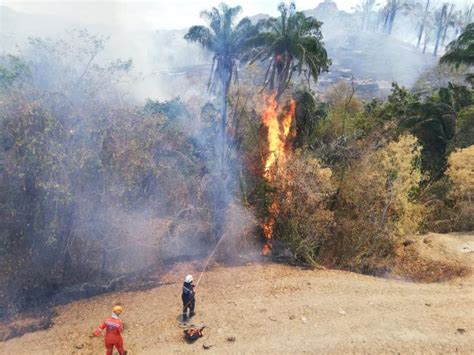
{"type": "Point", "coordinates": [188, 279]}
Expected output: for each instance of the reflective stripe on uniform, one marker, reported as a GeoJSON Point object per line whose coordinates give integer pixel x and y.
{"type": "Point", "coordinates": [111, 325]}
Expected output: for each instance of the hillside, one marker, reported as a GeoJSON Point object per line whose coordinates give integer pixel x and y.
{"type": "Point", "coordinates": [170, 65]}
{"type": "Point", "coordinates": [315, 171]}
{"type": "Point", "coordinates": [272, 308]}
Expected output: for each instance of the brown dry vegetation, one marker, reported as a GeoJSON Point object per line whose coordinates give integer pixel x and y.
{"type": "Point", "coordinates": [433, 257]}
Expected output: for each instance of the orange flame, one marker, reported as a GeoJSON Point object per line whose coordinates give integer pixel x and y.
{"type": "Point", "coordinates": [278, 131]}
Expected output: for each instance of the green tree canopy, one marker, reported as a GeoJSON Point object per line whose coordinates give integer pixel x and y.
{"type": "Point", "coordinates": [290, 43]}
{"type": "Point", "coordinates": [461, 50]}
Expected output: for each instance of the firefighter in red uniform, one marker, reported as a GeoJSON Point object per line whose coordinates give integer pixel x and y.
{"type": "Point", "coordinates": [113, 331]}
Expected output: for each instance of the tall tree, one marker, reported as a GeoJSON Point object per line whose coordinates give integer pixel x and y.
{"type": "Point", "coordinates": [450, 22]}
{"type": "Point", "coordinates": [443, 20]}
{"type": "Point", "coordinates": [468, 12]}
{"type": "Point", "coordinates": [423, 23]}
{"type": "Point", "coordinates": [366, 8]}
{"type": "Point", "coordinates": [390, 12]}
{"type": "Point", "coordinates": [462, 18]}
{"type": "Point", "coordinates": [290, 43]}
{"type": "Point", "coordinates": [429, 29]}
{"type": "Point", "coordinates": [227, 41]}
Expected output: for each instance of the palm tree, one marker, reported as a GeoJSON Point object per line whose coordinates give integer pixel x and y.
{"type": "Point", "coordinates": [461, 51]}
{"type": "Point", "coordinates": [461, 19]}
{"type": "Point", "coordinates": [433, 123]}
{"type": "Point", "coordinates": [467, 15]}
{"type": "Point", "coordinates": [226, 41]}
{"type": "Point", "coordinates": [291, 43]}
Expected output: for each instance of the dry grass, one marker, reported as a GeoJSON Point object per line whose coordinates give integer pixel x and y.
{"type": "Point", "coordinates": [427, 259]}
{"type": "Point", "coordinates": [268, 309]}
{"type": "Point", "coordinates": [24, 324]}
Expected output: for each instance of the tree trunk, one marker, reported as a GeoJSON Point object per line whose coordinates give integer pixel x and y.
{"type": "Point", "coordinates": [438, 38]}
{"type": "Point", "coordinates": [440, 26]}
{"type": "Point", "coordinates": [385, 23]}
{"type": "Point", "coordinates": [422, 28]}
{"type": "Point", "coordinates": [446, 26]}
{"type": "Point", "coordinates": [420, 35]}
{"type": "Point", "coordinates": [444, 36]}
{"type": "Point", "coordinates": [392, 20]}
{"type": "Point", "coordinates": [283, 79]}
{"type": "Point", "coordinates": [469, 15]}
{"type": "Point", "coordinates": [222, 145]}
{"type": "Point", "coordinates": [220, 191]}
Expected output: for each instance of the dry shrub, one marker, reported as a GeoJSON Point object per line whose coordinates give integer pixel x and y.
{"type": "Point", "coordinates": [131, 242]}
{"type": "Point", "coordinates": [461, 174]}
{"type": "Point", "coordinates": [24, 324]}
{"type": "Point", "coordinates": [345, 115]}
{"type": "Point", "coordinates": [435, 198]}
{"type": "Point", "coordinates": [410, 264]}
{"type": "Point", "coordinates": [399, 162]}
{"type": "Point", "coordinates": [342, 96]}
{"type": "Point", "coordinates": [374, 204]}
{"type": "Point", "coordinates": [303, 223]}
{"type": "Point", "coordinates": [450, 198]}
{"type": "Point", "coordinates": [464, 128]}
{"type": "Point", "coordinates": [239, 232]}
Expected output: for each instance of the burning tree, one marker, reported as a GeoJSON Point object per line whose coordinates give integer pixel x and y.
{"type": "Point", "coordinates": [288, 44]}
{"type": "Point", "coordinates": [278, 131]}
{"type": "Point", "coordinates": [304, 220]}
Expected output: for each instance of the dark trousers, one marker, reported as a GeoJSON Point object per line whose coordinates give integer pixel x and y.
{"type": "Point", "coordinates": [188, 303]}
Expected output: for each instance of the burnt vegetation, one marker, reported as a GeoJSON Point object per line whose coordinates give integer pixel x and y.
{"type": "Point", "coordinates": [96, 188]}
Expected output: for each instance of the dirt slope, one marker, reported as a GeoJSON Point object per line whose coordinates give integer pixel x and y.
{"type": "Point", "coordinates": [271, 308]}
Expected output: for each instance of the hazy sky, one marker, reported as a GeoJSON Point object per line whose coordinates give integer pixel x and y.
{"type": "Point", "coordinates": [156, 14]}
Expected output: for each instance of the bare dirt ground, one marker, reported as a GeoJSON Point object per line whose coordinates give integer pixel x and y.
{"type": "Point", "coordinates": [273, 308]}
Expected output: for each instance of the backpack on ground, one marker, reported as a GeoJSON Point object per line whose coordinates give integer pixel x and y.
{"type": "Point", "coordinates": [191, 334]}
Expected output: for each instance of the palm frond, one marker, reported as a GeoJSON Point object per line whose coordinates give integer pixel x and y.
{"type": "Point", "coordinates": [201, 35]}
{"type": "Point", "coordinates": [290, 43]}
{"type": "Point", "coordinates": [461, 50]}
{"type": "Point", "coordinates": [224, 39]}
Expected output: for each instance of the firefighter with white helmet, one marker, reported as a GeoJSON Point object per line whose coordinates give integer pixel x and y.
{"type": "Point", "coordinates": [188, 297]}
